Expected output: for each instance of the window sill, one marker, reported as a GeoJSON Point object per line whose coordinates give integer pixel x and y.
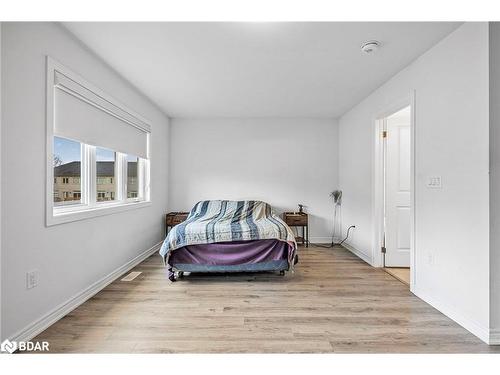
{"type": "Point", "coordinates": [67, 217]}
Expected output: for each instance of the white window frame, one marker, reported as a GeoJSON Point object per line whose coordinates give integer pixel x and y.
{"type": "Point", "coordinates": [60, 77]}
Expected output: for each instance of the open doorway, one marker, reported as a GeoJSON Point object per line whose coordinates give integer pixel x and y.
{"type": "Point", "coordinates": [397, 187]}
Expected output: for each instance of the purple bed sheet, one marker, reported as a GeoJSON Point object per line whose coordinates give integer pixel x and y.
{"type": "Point", "coordinates": [232, 253]}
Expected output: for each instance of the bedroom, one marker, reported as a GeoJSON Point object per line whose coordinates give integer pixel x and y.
{"type": "Point", "coordinates": [199, 174]}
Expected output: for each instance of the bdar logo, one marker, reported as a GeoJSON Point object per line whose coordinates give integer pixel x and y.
{"type": "Point", "coordinates": [24, 346]}
{"type": "Point", "coordinates": [8, 346]}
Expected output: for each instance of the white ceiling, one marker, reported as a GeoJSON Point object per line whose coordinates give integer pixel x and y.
{"type": "Point", "coordinates": [257, 69]}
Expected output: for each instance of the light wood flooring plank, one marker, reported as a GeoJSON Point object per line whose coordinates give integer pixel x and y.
{"type": "Point", "coordinates": [334, 302]}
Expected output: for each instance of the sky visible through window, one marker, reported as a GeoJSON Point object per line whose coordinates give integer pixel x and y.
{"type": "Point", "coordinates": [66, 150]}
{"type": "Point", "coordinates": [104, 154]}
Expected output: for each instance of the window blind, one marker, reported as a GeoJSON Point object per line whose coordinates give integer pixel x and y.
{"type": "Point", "coordinates": [84, 116]}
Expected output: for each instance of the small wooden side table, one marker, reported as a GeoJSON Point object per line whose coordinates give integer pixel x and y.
{"type": "Point", "coordinates": [174, 218]}
{"type": "Point", "coordinates": [298, 219]}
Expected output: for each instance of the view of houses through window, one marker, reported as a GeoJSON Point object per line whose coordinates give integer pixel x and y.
{"type": "Point", "coordinates": [132, 181]}
{"type": "Point", "coordinates": [68, 172]}
{"type": "Point", "coordinates": [105, 169]}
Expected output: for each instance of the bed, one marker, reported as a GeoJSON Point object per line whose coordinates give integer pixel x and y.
{"type": "Point", "coordinates": [229, 236]}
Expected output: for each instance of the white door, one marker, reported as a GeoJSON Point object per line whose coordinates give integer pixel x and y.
{"type": "Point", "coordinates": [397, 189]}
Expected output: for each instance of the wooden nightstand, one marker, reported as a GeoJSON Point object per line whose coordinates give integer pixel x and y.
{"type": "Point", "coordinates": [174, 218]}
{"type": "Point", "coordinates": [298, 219]}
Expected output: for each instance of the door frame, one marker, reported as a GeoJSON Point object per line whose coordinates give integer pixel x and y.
{"type": "Point", "coordinates": [378, 182]}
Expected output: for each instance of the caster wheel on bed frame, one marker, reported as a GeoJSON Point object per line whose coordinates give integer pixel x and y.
{"type": "Point", "coordinates": [282, 273]}
{"type": "Point", "coordinates": [176, 275]}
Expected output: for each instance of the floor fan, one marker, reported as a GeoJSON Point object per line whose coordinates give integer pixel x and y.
{"type": "Point", "coordinates": [336, 196]}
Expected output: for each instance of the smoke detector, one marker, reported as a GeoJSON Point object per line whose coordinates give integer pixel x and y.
{"type": "Point", "coordinates": [370, 47]}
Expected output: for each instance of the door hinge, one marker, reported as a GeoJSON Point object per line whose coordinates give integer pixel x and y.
{"type": "Point", "coordinates": [383, 249]}
{"type": "Point", "coordinates": [384, 134]}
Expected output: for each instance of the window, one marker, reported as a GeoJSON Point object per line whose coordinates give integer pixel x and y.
{"type": "Point", "coordinates": [132, 182]}
{"type": "Point", "coordinates": [98, 151]}
{"type": "Point", "coordinates": [105, 169]}
{"type": "Point", "coordinates": [67, 162]}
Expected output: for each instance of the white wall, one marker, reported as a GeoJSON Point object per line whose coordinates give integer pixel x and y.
{"type": "Point", "coordinates": [1, 331]}
{"type": "Point", "coordinates": [452, 224]}
{"type": "Point", "coordinates": [69, 257]}
{"type": "Point", "coordinates": [494, 38]}
{"type": "Point", "coordinates": [281, 161]}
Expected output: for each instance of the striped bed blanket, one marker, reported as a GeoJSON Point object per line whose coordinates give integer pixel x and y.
{"type": "Point", "coordinates": [225, 221]}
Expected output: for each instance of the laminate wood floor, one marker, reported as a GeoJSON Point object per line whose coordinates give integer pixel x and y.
{"type": "Point", "coordinates": [402, 274]}
{"type": "Point", "coordinates": [333, 303]}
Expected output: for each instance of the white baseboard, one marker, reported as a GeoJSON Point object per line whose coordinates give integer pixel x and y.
{"type": "Point", "coordinates": [469, 324]}
{"type": "Point", "coordinates": [363, 256]}
{"type": "Point", "coordinates": [489, 337]}
{"type": "Point", "coordinates": [320, 240]}
{"type": "Point", "coordinates": [495, 337]}
{"type": "Point", "coordinates": [65, 308]}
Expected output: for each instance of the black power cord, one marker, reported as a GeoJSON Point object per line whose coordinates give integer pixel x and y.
{"type": "Point", "coordinates": [333, 244]}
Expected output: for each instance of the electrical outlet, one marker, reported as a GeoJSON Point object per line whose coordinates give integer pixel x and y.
{"type": "Point", "coordinates": [434, 182]}
{"type": "Point", "coordinates": [31, 279]}
{"type": "Point", "coordinates": [430, 259]}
